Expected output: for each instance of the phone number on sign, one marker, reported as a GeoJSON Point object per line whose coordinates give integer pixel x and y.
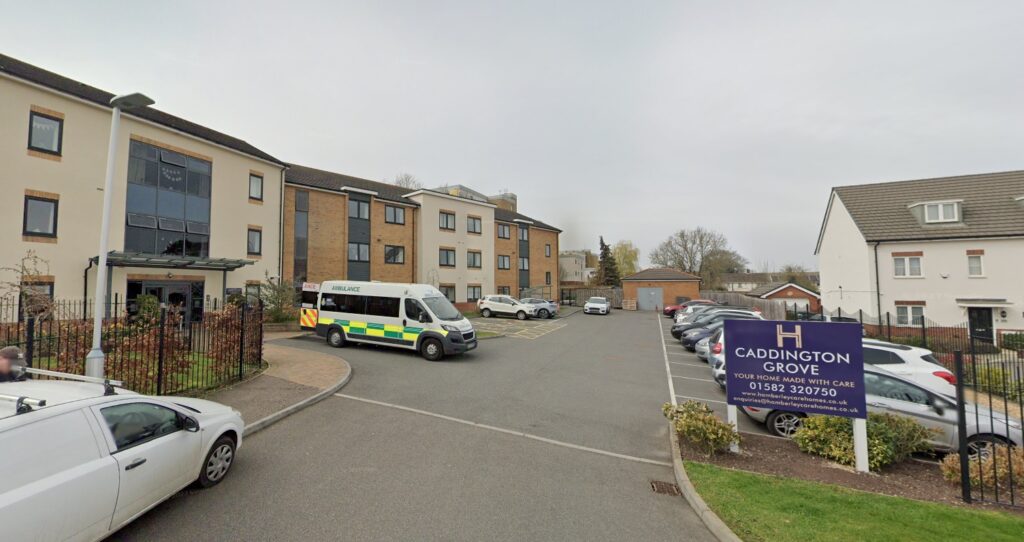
{"type": "Point", "coordinates": [794, 389]}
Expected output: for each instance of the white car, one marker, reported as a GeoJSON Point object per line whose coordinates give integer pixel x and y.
{"type": "Point", "coordinates": [503, 305]}
{"type": "Point", "coordinates": [80, 459]}
{"type": "Point", "coordinates": [597, 305]}
{"type": "Point", "coordinates": [542, 307]}
{"type": "Point", "coordinates": [916, 364]}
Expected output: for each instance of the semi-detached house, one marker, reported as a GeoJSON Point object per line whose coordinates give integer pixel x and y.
{"type": "Point", "coordinates": [949, 250]}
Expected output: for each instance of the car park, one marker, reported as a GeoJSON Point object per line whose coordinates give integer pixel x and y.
{"type": "Point", "coordinates": [542, 308]}
{"type": "Point", "coordinates": [670, 310]}
{"type": "Point", "coordinates": [710, 317]}
{"type": "Point", "coordinates": [597, 305]}
{"type": "Point", "coordinates": [690, 338]}
{"type": "Point", "coordinates": [83, 458]}
{"type": "Point", "coordinates": [503, 305]}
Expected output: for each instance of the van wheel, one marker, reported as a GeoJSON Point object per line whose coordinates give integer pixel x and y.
{"type": "Point", "coordinates": [542, 314]}
{"type": "Point", "coordinates": [336, 338]}
{"type": "Point", "coordinates": [521, 315]}
{"type": "Point", "coordinates": [486, 313]}
{"type": "Point", "coordinates": [218, 462]}
{"type": "Point", "coordinates": [431, 350]}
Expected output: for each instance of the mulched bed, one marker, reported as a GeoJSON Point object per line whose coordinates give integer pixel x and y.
{"type": "Point", "coordinates": [768, 455]}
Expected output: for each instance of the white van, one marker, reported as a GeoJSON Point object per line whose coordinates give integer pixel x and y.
{"type": "Point", "coordinates": [411, 316]}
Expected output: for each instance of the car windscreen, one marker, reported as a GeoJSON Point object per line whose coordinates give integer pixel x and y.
{"type": "Point", "coordinates": [597, 300]}
{"type": "Point", "coordinates": [442, 308]}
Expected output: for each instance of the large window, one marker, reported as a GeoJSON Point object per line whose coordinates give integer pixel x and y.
{"type": "Point", "coordinates": [974, 266]}
{"type": "Point", "coordinates": [446, 221]}
{"type": "Point", "coordinates": [168, 203]}
{"type": "Point", "coordinates": [472, 293]}
{"type": "Point", "coordinates": [448, 290]}
{"type": "Point", "coordinates": [474, 224]}
{"type": "Point", "coordinates": [524, 264]}
{"type": "Point", "coordinates": [909, 315]}
{"type": "Point", "coordinates": [254, 246]}
{"type": "Point", "coordinates": [382, 306]}
{"type": "Point", "coordinates": [255, 186]}
{"type": "Point", "coordinates": [446, 257]}
{"type": "Point", "coordinates": [524, 234]}
{"type": "Point", "coordinates": [358, 252]}
{"type": "Point", "coordinates": [358, 209]}
{"type": "Point", "coordinates": [40, 218]}
{"type": "Point", "coordinates": [394, 254]}
{"type": "Point", "coordinates": [394, 215]}
{"type": "Point", "coordinates": [504, 231]}
{"type": "Point", "coordinates": [504, 262]}
{"type": "Point", "coordinates": [301, 261]}
{"type": "Point", "coordinates": [45, 133]}
{"type": "Point", "coordinates": [906, 266]}
{"type": "Point", "coordinates": [941, 212]}
{"type": "Point", "coordinates": [474, 259]}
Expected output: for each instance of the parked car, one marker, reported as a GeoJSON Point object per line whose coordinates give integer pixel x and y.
{"type": "Point", "coordinates": [597, 305]}
{"type": "Point", "coordinates": [710, 318]}
{"type": "Point", "coordinates": [692, 310]}
{"type": "Point", "coordinates": [81, 459]}
{"type": "Point", "coordinates": [702, 309]}
{"type": "Point", "coordinates": [894, 394]}
{"type": "Point", "coordinates": [503, 305]}
{"type": "Point", "coordinates": [913, 363]}
{"type": "Point", "coordinates": [703, 348]}
{"type": "Point", "coordinates": [670, 310]}
{"type": "Point", "coordinates": [690, 338]}
{"type": "Point", "coordinates": [542, 307]}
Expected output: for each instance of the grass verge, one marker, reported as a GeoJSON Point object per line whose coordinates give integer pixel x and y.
{"type": "Point", "coordinates": [488, 334]}
{"type": "Point", "coordinates": [759, 507]}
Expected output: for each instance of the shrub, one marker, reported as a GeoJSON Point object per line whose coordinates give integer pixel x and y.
{"type": "Point", "coordinates": [891, 439]}
{"type": "Point", "coordinates": [997, 381]}
{"type": "Point", "coordinates": [1013, 341]}
{"type": "Point", "coordinates": [991, 471]}
{"type": "Point", "coordinates": [700, 427]}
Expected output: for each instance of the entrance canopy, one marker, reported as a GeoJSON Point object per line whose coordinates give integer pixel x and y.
{"type": "Point", "coordinates": [981, 302]}
{"type": "Point", "coordinates": [137, 259]}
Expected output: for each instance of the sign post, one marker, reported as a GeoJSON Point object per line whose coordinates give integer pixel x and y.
{"type": "Point", "coordinates": [804, 367]}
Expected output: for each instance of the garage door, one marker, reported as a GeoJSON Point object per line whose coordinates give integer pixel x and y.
{"type": "Point", "coordinates": [648, 299]}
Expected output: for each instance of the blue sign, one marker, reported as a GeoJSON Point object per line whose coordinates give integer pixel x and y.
{"type": "Point", "coordinates": [811, 367]}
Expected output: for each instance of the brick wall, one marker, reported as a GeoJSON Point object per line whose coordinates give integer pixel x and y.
{"type": "Point", "coordinates": [328, 239]}
{"type": "Point", "coordinates": [541, 264]}
{"type": "Point", "coordinates": [506, 247]}
{"type": "Point", "coordinates": [790, 294]}
{"type": "Point", "coordinates": [670, 290]}
{"type": "Point", "coordinates": [384, 234]}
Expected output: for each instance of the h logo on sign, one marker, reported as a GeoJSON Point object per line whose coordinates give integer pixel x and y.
{"type": "Point", "coordinates": [796, 335]}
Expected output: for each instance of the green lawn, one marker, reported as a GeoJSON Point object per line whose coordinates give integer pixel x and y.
{"type": "Point", "coordinates": [758, 507]}
{"type": "Point", "coordinates": [487, 334]}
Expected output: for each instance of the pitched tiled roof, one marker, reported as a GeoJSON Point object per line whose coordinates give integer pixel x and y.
{"type": "Point", "coordinates": [318, 178]}
{"type": "Point", "coordinates": [661, 273]}
{"type": "Point", "coordinates": [511, 216]}
{"type": "Point", "coordinates": [761, 278]}
{"type": "Point", "coordinates": [772, 286]}
{"type": "Point", "coordinates": [989, 207]}
{"type": "Point", "coordinates": [39, 76]}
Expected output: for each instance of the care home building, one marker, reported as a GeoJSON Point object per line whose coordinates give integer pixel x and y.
{"type": "Point", "coordinates": [950, 250]}
{"type": "Point", "coordinates": [195, 213]}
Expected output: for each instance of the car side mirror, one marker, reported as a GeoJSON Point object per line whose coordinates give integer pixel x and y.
{"type": "Point", "coordinates": [191, 424]}
{"type": "Point", "coordinates": [938, 405]}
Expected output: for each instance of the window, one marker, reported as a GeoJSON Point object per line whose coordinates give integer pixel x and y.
{"type": "Point", "coordinates": [132, 424]}
{"type": "Point", "coordinates": [524, 264]}
{"type": "Point", "coordinates": [878, 356]}
{"type": "Point", "coordinates": [472, 293]}
{"type": "Point", "coordinates": [524, 234]}
{"type": "Point", "coordinates": [252, 294]}
{"type": "Point", "coordinates": [358, 209]}
{"type": "Point", "coordinates": [474, 224]}
{"type": "Point", "coordinates": [352, 304]}
{"type": "Point", "coordinates": [414, 310]}
{"type": "Point", "coordinates": [446, 257]}
{"type": "Point", "coordinates": [382, 306]}
{"type": "Point", "coordinates": [547, 251]}
{"type": "Point", "coordinates": [255, 186]}
{"type": "Point", "coordinates": [941, 212]}
{"type": "Point", "coordinates": [358, 252]}
{"type": "Point", "coordinates": [504, 262]}
{"type": "Point", "coordinates": [504, 231]}
{"type": "Point", "coordinates": [448, 290]}
{"type": "Point", "coordinates": [165, 190]}
{"type": "Point", "coordinates": [301, 252]}
{"type": "Point", "coordinates": [547, 277]}
{"type": "Point", "coordinates": [473, 259]}
{"type": "Point", "coordinates": [40, 217]}
{"type": "Point", "coordinates": [393, 254]}
{"type": "Point", "coordinates": [45, 133]}
{"type": "Point", "coordinates": [255, 244]}
{"type": "Point", "coordinates": [890, 388]}
{"type": "Point", "coordinates": [909, 315]}
{"type": "Point", "coordinates": [446, 221]}
{"type": "Point", "coordinates": [504, 290]}
{"type": "Point", "coordinates": [907, 266]}
{"type": "Point", "coordinates": [974, 267]}
{"type": "Point", "coordinates": [394, 215]}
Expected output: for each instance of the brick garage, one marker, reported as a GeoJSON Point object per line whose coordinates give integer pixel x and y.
{"type": "Point", "coordinates": [672, 283]}
{"type": "Point", "coordinates": [789, 292]}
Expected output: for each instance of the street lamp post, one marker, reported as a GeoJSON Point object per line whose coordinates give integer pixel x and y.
{"type": "Point", "coordinates": [94, 361]}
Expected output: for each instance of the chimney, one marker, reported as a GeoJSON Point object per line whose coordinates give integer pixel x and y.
{"type": "Point", "coordinates": [506, 201]}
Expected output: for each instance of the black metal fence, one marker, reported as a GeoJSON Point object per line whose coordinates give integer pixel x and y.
{"type": "Point", "coordinates": [154, 351]}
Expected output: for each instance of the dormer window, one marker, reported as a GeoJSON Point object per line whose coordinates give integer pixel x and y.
{"type": "Point", "coordinates": [941, 212]}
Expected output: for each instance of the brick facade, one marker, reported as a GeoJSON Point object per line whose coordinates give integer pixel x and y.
{"type": "Point", "coordinates": [382, 233]}
{"type": "Point", "coordinates": [670, 290]}
{"type": "Point", "coordinates": [541, 263]}
{"type": "Point", "coordinates": [790, 293]}
{"type": "Point", "coordinates": [506, 247]}
{"type": "Point", "coordinates": [328, 241]}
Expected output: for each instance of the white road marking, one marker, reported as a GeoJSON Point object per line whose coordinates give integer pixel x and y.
{"type": "Point", "coordinates": [701, 399]}
{"type": "Point", "coordinates": [691, 378]}
{"type": "Point", "coordinates": [508, 431]}
{"type": "Point", "coordinates": [689, 364]}
{"type": "Point", "coordinates": [668, 369]}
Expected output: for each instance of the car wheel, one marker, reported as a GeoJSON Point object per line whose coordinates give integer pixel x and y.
{"type": "Point", "coordinates": [783, 424]}
{"type": "Point", "coordinates": [431, 350]}
{"type": "Point", "coordinates": [218, 462]}
{"type": "Point", "coordinates": [336, 337]}
{"type": "Point", "coordinates": [542, 314]}
{"type": "Point", "coordinates": [521, 315]}
{"type": "Point", "coordinates": [983, 445]}
{"type": "Point", "coordinates": [486, 313]}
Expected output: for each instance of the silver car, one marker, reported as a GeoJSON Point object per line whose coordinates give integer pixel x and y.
{"type": "Point", "coordinates": [544, 308]}
{"type": "Point", "coordinates": [702, 348]}
{"type": "Point", "coordinates": [889, 393]}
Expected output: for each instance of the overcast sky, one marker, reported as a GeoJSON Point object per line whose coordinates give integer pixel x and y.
{"type": "Point", "coordinates": [624, 119]}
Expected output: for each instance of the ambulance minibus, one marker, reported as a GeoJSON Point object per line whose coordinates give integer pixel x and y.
{"type": "Point", "coordinates": [411, 316]}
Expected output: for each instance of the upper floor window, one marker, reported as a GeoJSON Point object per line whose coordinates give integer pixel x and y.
{"type": "Point", "coordinates": [358, 252]}
{"type": "Point", "coordinates": [254, 245]}
{"type": "Point", "coordinates": [40, 217]}
{"type": "Point", "coordinates": [504, 231]}
{"type": "Point", "coordinates": [941, 212]}
{"type": "Point", "coordinates": [524, 234]}
{"type": "Point", "coordinates": [906, 266]}
{"type": "Point", "coordinates": [45, 133]}
{"type": "Point", "coordinates": [504, 262]}
{"type": "Point", "coordinates": [474, 224]}
{"type": "Point", "coordinates": [547, 251]}
{"type": "Point", "coordinates": [446, 257]}
{"type": "Point", "coordinates": [394, 215]}
{"type": "Point", "coordinates": [446, 221]}
{"type": "Point", "coordinates": [974, 266]}
{"type": "Point", "coordinates": [358, 209]}
{"type": "Point", "coordinates": [524, 264]}
{"type": "Point", "coordinates": [394, 254]}
{"type": "Point", "coordinates": [474, 259]}
{"type": "Point", "coordinates": [255, 186]}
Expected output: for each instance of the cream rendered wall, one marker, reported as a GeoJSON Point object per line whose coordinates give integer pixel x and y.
{"type": "Point", "coordinates": [78, 179]}
{"type": "Point", "coordinates": [846, 264]}
{"type": "Point", "coordinates": [430, 238]}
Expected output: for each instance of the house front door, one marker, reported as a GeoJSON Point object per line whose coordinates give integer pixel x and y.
{"type": "Point", "coordinates": [980, 321]}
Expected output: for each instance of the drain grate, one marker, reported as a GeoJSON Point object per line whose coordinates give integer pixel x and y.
{"type": "Point", "coordinates": [665, 488]}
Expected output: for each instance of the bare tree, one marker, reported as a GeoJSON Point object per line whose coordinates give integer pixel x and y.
{"type": "Point", "coordinates": [21, 282]}
{"type": "Point", "coordinates": [701, 252]}
{"type": "Point", "coordinates": [408, 180]}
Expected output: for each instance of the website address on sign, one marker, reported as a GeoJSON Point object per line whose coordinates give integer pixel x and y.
{"type": "Point", "coordinates": [836, 406]}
